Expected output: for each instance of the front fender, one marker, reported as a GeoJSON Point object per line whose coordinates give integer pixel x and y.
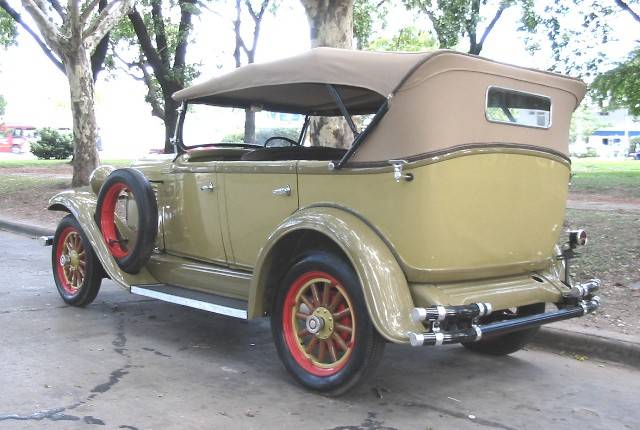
{"type": "Point", "coordinates": [82, 205]}
{"type": "Point", "coordinates": [386, 292]}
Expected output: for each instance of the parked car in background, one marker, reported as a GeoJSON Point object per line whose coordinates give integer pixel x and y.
{"type": "Point", "coordinates": [17, 138]}
{"type": "Point", "coordinates": [438, 225]}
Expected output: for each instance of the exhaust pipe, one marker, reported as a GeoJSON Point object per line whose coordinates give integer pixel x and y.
{"type": "Point", "coordinates": [45, 240]}
{"type": "Point", "coordinates": [583, 290]}
{"type": "Point", "coordinates": [476, 332]}
{"type": "Point", "coordinates": [440, 313]}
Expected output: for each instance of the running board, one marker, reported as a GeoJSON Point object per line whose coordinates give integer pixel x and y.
{"type": "Point", "coordinates": [194, 299]}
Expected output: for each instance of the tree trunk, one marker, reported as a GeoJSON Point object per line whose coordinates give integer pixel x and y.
{"type": "Point", "coordinates": [331, 24]}
{"type": "Point", "coordinates": [170, 119]}
{"type": "Point", "coordinates": [85, 155]}
{"type": "Point", "coordinates": [249, 126]}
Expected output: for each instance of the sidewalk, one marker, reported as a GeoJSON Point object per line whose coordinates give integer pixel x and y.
{"type": "Point", "coordinates": [563, 337]}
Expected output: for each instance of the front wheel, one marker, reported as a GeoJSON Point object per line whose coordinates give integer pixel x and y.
{"type": "Point", "coordinates": [76, 270]}
{"type": "Point", "coordinates": [321, 326]}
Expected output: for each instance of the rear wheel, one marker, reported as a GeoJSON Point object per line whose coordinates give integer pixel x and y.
{"type": "Point", "coordinates": [511, 342]}
{"type": "Point", "coordinates": [16, 149]}
{"type": "Point", "coordinates": [321, 326]}
{"type": "Point", "coordinates": [76, 270]}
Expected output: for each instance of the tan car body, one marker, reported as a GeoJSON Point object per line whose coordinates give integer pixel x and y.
{"type": "Point", "coordinates": [479, 222]}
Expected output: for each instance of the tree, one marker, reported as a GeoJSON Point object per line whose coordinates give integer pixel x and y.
{"type": "Point", "coordinates": [72, 38]}
{"type": "Point", "coordinates": [3, 105]}
{"type": "Point", "coordinates": [455, 19]}
{"type": "Point", "coordinates": [151, 46]}
{"type": "Point", "coordinates": [249, 51]}
{"type": "Point", "coordinates": [620, 86]}
{"type": "Point", "coordinates": [408, 39]}
{"type": "Point", "coordinates": [330, 24]}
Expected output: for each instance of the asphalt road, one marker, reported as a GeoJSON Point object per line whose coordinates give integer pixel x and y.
{"type": "Point", "coordinates": [127, 362]}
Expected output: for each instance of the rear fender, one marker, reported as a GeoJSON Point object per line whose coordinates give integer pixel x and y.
{"type": "Point", "coordinates": [386, 292]}
{"type": "Point", "coordinates": [82, 205]}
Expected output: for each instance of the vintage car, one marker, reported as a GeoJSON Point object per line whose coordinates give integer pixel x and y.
{"type": "Point", "coordinates": [439, 224]}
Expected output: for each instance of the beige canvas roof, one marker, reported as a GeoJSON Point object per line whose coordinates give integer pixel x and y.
{"type": "Point", "coordinates": [297, 84]}
{"type": "Point", "coordinates": [439, 98]}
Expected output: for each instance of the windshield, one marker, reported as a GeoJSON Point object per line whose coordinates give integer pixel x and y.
{"type": "Point", "coordinates": [205, 125]}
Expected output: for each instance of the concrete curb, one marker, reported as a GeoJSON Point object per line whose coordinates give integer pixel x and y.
{"type": "Point", "coordinates": [24, 228]}
{"type": "Point", "coordinates": [548, 338]}
{"type": "Point", "coordinates": [590, 345]}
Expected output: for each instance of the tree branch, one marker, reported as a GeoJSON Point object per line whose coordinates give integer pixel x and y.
{"type": "Point", "coordinates": [492, 24]}
{"type": "Point", "coordinates": [158, 28]}
{"type": "Point", "coordinates": [99, 55]}
{"type": "Point", "coordinates": [55, 4]}
{"type": "Point", "coordinates": [47, 51]}
{"type": "Point", "coordinates": [184, 28]}
{"type": "Point", "coordinates": [86, 13]}
{"type": "Point", "coordinates": [109, 17]}
{"type": "Point", "coordinates": [627, 8]}
{"type": "Point", "coordinates": [48, 29]}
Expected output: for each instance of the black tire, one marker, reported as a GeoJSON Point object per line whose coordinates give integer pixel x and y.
{"type": "Point", "coordinates": [130, 259]}
{"type": "Point", "coordinates": [511, 342]}
{"type": "Point", "coordinates": [365, 345]}
{"type": "Point", "coordinates": [83, 291]}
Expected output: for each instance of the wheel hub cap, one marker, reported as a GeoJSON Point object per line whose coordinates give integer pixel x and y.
{"type": "Point", "coordinates": [320, 323]}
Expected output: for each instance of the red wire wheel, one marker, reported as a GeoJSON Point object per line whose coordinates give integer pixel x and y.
{"type": "Point", "coordinates": [130, 237]}
{"type": "Point", "coordinates": [76, 270]}
{"type": "Point", "coordinates": [319, 323]}
{"type": "Point", "coordinates": [72, 262]}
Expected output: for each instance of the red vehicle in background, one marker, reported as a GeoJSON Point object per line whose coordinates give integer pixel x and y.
{"type": "Point", "coordinates": [16, 138]}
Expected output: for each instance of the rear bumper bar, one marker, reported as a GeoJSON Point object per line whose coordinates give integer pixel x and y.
{"type": "Point", "coordinates": [574, 307]}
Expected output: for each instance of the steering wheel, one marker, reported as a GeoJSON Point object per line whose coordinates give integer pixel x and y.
{"type": "Point", "coordinates": [286, 139]}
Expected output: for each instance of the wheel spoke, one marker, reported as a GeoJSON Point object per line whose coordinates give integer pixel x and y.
{"type": "Point", "coordinates": [308, 303]}
{"type": "Point", "coordinates": [302, 333]}
{"type": "Point", "coordinates": [332, 350]}
{"type": "Point", "coordinates": [326, 291]}
{"type": "Point", "coordinates": [336, 301]}
{"type": "Point", "coordinates": [336, 337]}
{"type": "Point", "coordinates": [322, 351]}
{"type": "Point", "coordinates": [311, 345]}
{"type": "Point", "coordinates": [302, 316]}
{"type": "Point", "coordinates": [342, 328]}
{"type": "Point", "coordinates": [316, 296]}
{"type": "Point", "coordinates": [341, 314]}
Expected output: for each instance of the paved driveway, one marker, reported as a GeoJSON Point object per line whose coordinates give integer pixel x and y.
{"type": "Point", "coordinates": [130, 363]}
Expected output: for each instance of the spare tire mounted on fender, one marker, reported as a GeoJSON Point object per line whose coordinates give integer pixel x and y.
{"type": "Point", "coordinates": [132, 248]}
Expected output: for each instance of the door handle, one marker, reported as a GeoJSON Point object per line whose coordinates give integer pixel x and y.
{"type": "Point", "coordinates": [209, 187]}
{"type": "Point", "coordinates": [282, 191]}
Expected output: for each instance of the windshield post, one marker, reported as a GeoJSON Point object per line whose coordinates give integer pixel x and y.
{"type": "Point", "coordinates": [343, 109]}
{"type": "Point", "coordinates": [303, 132]}
{"type": "Point", "coordinates": [178, 144]}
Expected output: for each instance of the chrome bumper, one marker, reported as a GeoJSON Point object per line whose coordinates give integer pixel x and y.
{"type": "Point", "coordinates": [577, 302]}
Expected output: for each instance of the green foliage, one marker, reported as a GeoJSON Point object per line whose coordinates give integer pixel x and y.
{"type": "Point", "coordinates": [3, 105]}
{"type": "Point", "coordinates": [577, 32]}
{"type": "Point", "coordinates": [454, 19]}
{"type": "Point", "coordinates": [365, 12]}
{"type": "Point", "coordinates": [620, 86]}
{"type": "Point", "coordinates": [408, 39]}
{"type": "Point", "coordinates": [52, 144]}
{"type": "Point", "coordinates": [589, 153]}
{"type": "Point", "coordinates": [634, 144]}
{"type": "Point", "coordinates": [8, 30]}
{"type": "Point", "coordinates": [263, 134]}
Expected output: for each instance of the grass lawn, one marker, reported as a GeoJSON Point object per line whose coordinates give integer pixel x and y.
{"type": "Point", "coordinates": [13, 164]}
{"type": "Point", "coordinates": [617, 180]}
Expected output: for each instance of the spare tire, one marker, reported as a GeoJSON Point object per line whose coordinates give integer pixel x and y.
{"type": "Point", "coordinates": [132, 248]}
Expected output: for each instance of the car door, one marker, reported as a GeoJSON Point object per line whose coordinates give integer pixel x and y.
{"type": "Point", "coordinates": [191, 215]}
{"type": "Point", "coordinates": [259, 195]}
